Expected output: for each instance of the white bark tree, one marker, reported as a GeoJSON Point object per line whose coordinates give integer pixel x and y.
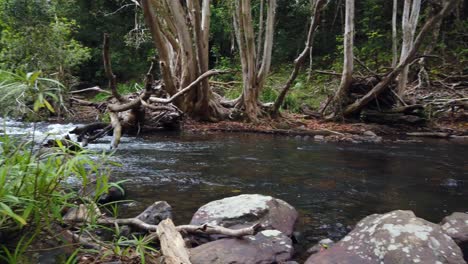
{"type": "Point", "coordinates": [394, 34]}
{"type": "Point", "coordinates": [254, 74]}
{"type": "Point", "coordinates": [180, 32]}
{"type": "Point", "coordinates": [410, 20]}
{"type": "Point", "coordinates": [342, 94]}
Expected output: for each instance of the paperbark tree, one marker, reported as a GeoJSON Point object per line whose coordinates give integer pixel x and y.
{"type": "Point", "coordinates": [254, 74]}
{"type": "Point", "coordinates": [342, 95]}
{"type": "Point", "coordinates": [180, 31]}
{"type": "Point", "coordinates": [410, 20]}
{"type": "Point", "coordinates": [394, 34]}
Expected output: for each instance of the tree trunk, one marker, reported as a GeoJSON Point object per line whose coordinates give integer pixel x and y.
{"type": "Point", "coordinates": [341, 97]}
{"type": "Point", "coordinates": [394, 34]}
{"type": "Point", "coordinates": [253, 75]}
{"type": "Point", "coordinates": [384, 83]}
{"type": "Point", "coordinates": [183, 48]}
{"type": "Point", "coordinates": [409, 24]}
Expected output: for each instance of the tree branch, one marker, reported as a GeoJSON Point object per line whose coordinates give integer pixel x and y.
{"type": "Point", "coordinates": [186, 89]}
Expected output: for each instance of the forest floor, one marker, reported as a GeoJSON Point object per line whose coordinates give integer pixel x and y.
{"type": "Point", "coordinates": [298, 125]}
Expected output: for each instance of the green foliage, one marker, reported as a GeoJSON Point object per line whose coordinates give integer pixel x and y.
{"type": "Point", "coordinates": [27, 93]}
{"type": "Point", "coordinates": [36, 36]}
{"type": "Point", "coordinates": [33, 188]}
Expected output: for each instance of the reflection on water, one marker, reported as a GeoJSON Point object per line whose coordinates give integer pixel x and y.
{"type": "Point", "coordinates": [327, 183]}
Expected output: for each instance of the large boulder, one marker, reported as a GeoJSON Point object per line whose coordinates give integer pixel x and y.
{"type": "Point", "coordinates": [268, 246]}
{"type": "Point", "coordinates": [248, 209]}
{"type": "Point", "coordinates": [395, 237]}
{"type": "Point", "coordinates": [456, 226]}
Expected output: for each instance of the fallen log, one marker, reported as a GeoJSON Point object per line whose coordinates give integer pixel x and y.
{"type": "Point", "coordinates": [390, 118]}
{"type": "Point", "coordinates": [172, 244]}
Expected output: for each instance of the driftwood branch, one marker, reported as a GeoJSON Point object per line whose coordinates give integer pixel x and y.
{"type": "Point", "coordinates": [91, 89]}
{"type": "Point", "coordinates": [206, 229]}
{"type": "Point", "coordinates": [219, 230]}
{"type": "Point", "coordinates": [117, 126]}
{"type": "Point", "coordinates": [186, 89]}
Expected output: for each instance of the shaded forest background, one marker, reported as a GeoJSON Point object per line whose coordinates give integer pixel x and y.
{"type": "Point", "coordinates": [63, 39]}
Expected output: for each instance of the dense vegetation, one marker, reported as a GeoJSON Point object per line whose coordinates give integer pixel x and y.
{"type": "Point", "coordinates": [63, 39]}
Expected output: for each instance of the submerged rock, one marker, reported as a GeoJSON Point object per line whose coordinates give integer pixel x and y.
{"type": "Point", "coordinates": [268, 246]}
{"type": "Point", "coordinates": [451, 184]}
{"type": "Point", "coordinates": [456, 226]}
{"type": "Point", "coordinates": [395, 237]}
{"type": "Point", "coordinates": [246, 210]}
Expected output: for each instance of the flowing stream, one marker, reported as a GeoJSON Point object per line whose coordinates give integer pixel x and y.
{"type": "Point", "coordinates": [331, 185]}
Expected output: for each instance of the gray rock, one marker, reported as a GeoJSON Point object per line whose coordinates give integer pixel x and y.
{"type": "Point", "coordinates": [319, 138]}
{"type": "Point", "coordinates": [370, 134]}
{"type": "Point", "coordinates": [456, 226]}
{"type": "Point", "coordinates": [395, 237]}
{"type": "Point", "coordinates": [268, 246]}
{"type": "Point", "coordinates": [246, 210]}
{"type": "Point", "coordinates": [155, 213]}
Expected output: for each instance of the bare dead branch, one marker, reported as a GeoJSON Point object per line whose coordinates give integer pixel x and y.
{"type": "Point", "coordinates": [186, 89]}
{"type": "Point", "coordinates": [95, 89]}
{"type": "Point", "coordinates": [117, 129]}
{"type": "Point", "coordinates": [320, 4]}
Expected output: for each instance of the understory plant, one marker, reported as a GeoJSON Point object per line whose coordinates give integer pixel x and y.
{"type": "Point", "coordinates": [34, 190]}
{"type": "Point", "coordinates": [26, 94]}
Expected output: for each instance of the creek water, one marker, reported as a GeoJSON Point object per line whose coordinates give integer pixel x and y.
{"type": "Point", "coordinates": [332, 185]}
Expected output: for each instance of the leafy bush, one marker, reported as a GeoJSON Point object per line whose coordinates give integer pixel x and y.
{"type": "Point", "coordinates": [27, 93]}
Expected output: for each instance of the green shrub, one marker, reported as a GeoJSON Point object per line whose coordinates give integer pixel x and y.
{"type": "Point", "coordinates": [33, 189]}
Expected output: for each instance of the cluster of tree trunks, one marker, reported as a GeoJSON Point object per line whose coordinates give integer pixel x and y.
{"type": "Point", "coordinates": [389, 88]}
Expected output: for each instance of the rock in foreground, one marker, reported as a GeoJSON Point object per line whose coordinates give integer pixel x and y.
{"type": "Point", "coordinates": [248, 209]}
{"type": "Point", "coordinates": [268, 246]}
{"type": "Point", "coordinates": [395, 237]}
{"type": "Point", "coordinates": [456, 226]}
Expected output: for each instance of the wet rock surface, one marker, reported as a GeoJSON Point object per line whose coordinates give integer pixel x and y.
{"type": "Point", "coordinates": [395, 237]}
{"type": "Point", "coordinates": [155, 213]}
{"type": "Point", "coordinates": [456, 226]}
{"type": "Point", "coordinates": [268, 246]}
{"type": "Point", "coordinates": [248, 209]}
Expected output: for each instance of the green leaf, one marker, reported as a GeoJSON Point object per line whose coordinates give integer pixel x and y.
{"type": "Point", "coordinates": [32, 77]}
{"type": "Point", "coordinates": [7, 210]}
{"type": "Point", "coordinates": [47, 104]}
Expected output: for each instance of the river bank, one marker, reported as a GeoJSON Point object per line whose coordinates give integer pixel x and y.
{"type": "Point", "coordinates": [306, 127]}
